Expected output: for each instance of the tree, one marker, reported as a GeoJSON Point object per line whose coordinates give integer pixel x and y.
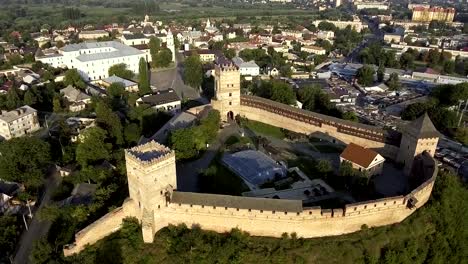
{"type": "Point", "coordinates": [449, 67]}
{"type": "Point", "coordinates": [24, 160]}
{"type": "Point", "coordinates": [393, 82]}
{"type": "Point", "coordinates": [92, 146]}
{"type": "Point", "coordinates": [229, 53]}
{"type": "Point", "coordinates": [57, 104]}
{"type": "Point", "coordinates": [313, 98]}
{"type": "Point", "coordinates": [351, 116]}
{"type": "Point", "coordinates": [8, 229]}
{"type": "Point", "coordinates": [381, 73]}
{"type": "Point", "coordinates": [407, 60]}
{"type": "Point", "coordinates": [461, 135]}
{"type": "Point", "coordinates": [13, 100]}
{"type": "Point", "coordinates": [193, 71]}
{"type": "Point", "coordinates": [121, 71]}
{"type": "Point", "coordinates": [324, 167]}
{"type": "Point", "coordinates": [29, 98]}
{"type": "Point", "coordinates": [72, 77]}
{"type": "Point", "coordinates": [346, 169]}
{"type": "Point", "coordinates": [132, 133]}
{"type": "Point", "coordinates": [110, 121]}
{"type": "Point", "coordinates": [42, 252]}
{"type": "Point", "coordinates": [143, 78]}
{"type": "Point", "coordinates": [116, 89]}
{"type": "Point", "coordinates": [365, 75]}
{"type": "Point", "coordinates": [283, 93]}
{"type": "Point", "coordinates": [154, 45]}
{"type": "Point", "coordinates": [163, 58]}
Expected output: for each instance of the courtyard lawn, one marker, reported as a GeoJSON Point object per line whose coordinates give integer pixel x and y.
{"type": "Point", "coordinates": [264, 129]}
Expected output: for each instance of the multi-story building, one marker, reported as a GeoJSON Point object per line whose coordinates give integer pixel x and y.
{"type": "Point", "coordinates": [371, 5]}
{"type": "Point", "coordinates": [18, 122]}
{"type": "Point", "coordinates": [93, 34]}
{"type": "Point", "coordinates": [433, 14]}
{"type": "Point", "coordinates": [314, 50]}
{"type": "Point", "coordinates": [249, 68]}
{"type": "Point", "coordinates": [356, 24]}
{"type": "Point", "coordinates": [93, 59]}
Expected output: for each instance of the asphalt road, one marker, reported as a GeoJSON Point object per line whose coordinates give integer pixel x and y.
{"type": "Point", "coordinates": [172, 78]}
{"type": "Point", "coordinates": [37, 228]}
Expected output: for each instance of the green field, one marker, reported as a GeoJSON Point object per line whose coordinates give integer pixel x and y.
{"type": "Point", "coordinates": [264, 129]}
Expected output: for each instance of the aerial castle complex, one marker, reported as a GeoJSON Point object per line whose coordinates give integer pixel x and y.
{"type": "Point", "coordinates": [156, 202]}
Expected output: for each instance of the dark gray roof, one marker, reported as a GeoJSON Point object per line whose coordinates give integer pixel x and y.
{"type": "Point", "coordinates": [422, 128]}
{"type": "Point", "coordinates": [134, 36]}
{"type": "Point", "coordinates": [240, 202]}
{"type": "Point", "coordinates": [161, 97]}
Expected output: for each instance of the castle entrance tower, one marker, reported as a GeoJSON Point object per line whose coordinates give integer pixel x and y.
{"type": "Point", "coordinates": [417, 137]}
{"type": "Point", "coordinates": [227, 89]}
{"type": "Point", "coordinates": [151, 173]}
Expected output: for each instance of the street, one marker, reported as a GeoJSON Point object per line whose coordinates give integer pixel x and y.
{"type": "Point", "coordinates": [37, 228]}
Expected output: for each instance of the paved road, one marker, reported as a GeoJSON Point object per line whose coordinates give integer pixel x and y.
{"type": "Point", "coordinates": [172, 78]}
{"type": "Point", "coordinates": [37, 229]}
{"type": "Point", "coordinates": [187, 173]}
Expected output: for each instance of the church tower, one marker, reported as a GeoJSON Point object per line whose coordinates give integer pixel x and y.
{"type": "Point", "coordinates": [170, 44]}
{"type": "Point", "coordinates": [227, 89]}
{"type": "Point", "coordinates": [418, 136]}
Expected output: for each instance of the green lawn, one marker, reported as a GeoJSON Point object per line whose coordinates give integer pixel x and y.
{"type": "Point", "coordinates": [264, 129]}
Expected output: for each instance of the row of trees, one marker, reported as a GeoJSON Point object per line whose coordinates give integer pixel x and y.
{"type": "Point", "coordinates": [160, 57]}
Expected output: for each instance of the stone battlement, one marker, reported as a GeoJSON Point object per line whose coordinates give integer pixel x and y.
{"type": "Point", "coordinates": [149, 153]}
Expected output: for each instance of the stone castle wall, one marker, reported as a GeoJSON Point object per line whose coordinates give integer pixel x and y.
{"type": "Point", "coordinates": [309, 222]}
{"type": "Point", "coordinates": [363, 136]}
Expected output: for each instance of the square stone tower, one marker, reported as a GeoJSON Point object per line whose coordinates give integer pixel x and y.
{"type": "Point", "coordinates": [417, 137]}
{"type": "Point", "coordinates": [151, 172]}
{"type": "Point", "coordinates": [227, 89]}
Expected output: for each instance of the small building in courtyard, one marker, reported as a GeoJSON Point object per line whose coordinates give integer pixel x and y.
{"type": "Point", "coordinates": [363, 159]}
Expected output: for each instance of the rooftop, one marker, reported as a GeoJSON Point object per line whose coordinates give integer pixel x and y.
{"type": "Point", "coordinates": [149, 152]}
{"type": "Point", "coordinates": [117, 50]}
{"type": "Point", "coordinates": [240, 202]}
{"type": "Point", "coordinates": [359, 155]}
{"type": "Point", "coordinates": [422, 128]}
{"type": "Point", "coordinates": [17, 113]}
{"type": "Point", "coordinates": [161, 97]}
{"type": "Point", "coordinates": [116, 79]}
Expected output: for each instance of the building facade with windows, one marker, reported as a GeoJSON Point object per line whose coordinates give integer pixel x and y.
{"type": "Point", "coordinates": [18, 122]}
{"type": "Point", "coordinates": [93, 59]}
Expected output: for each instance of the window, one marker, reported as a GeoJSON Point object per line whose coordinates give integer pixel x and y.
{"type": "Point", "coordinates": [230, 94]}
{"type": "Point", "coordinates": [230, 103]}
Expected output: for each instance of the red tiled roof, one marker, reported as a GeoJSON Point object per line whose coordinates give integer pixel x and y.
{"type": "Point", "coordinates": [359, 155]}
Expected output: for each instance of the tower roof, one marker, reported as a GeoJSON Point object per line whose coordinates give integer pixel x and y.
{"type": "Point", "coordinates": [422, 128]}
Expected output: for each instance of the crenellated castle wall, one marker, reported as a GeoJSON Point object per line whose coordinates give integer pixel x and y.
{"type": "Point", "coordinates": [308, 222]}
{"type": "Point", "coordinates": [309, 123]}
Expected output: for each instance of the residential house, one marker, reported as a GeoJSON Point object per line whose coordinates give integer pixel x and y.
{"type": "Point", "coordinates": [77, 99]}
{"type": "Point", "coordinates": [166, 100]}
{"type": "Point", "coordinates": [92, 34]}
{"type": "Point", "coordinates": [249, 68]}
{"type": "Point", "coordinates": [314, 49]}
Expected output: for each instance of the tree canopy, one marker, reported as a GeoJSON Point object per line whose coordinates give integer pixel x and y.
{"type": "Point", "coordinates": [365, 75]}
{"type": "Point", "coordinates": [92, 146]}
{"type": "Point", "coordinates": [193, 71]}
{"type": "Point", "coordinates": [121, 70]}
{"type": "Point", "coordinates": [143, 78]}
{"type": "Point", "coordinates": [72, 77]}
{"type": "Point", "coordinates": [24, 160]}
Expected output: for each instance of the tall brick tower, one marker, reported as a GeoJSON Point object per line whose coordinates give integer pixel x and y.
{"type": "Point", "coordinates": [417, 137]}
{"type": "Point", "coordinates": [227, 89]}
{"type": "Point", "coordinates": [151, 172]}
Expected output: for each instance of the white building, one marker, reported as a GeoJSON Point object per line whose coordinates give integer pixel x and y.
{"type": "Point", "coordinates": [249, 68]}
{"type": "Point", "coordinates": [134, 39]}
{"type": "Point", "coordinates": [314, 49]}
{"type": "Point", "coordinates": [355, 24]}
{"type": "Point", "coordinates": [326, 34]}
{"type": "Point", "coordinates": [18, 122]}
{"type": "Point", "coordinates": [371, 5]}
{"type": "Point", "coordinates": [93, 59]}
{"type": "Point", "coordinates": [93, 34]}
{"type": "Point", "coordinates": [167, 100]}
